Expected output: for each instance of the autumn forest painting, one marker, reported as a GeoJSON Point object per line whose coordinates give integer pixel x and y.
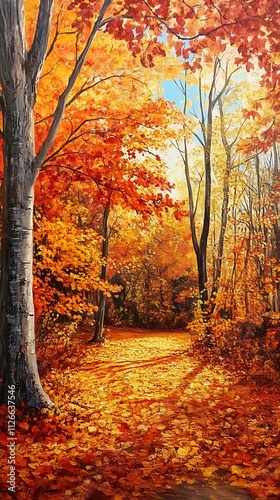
{"type": "Point", "coordinates": [140, 249]}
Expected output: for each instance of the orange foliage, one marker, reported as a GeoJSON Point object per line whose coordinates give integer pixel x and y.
{"type": "Point", "coordinates": [113, 151]}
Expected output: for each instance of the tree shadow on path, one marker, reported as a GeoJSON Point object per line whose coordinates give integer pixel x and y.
{"type": "Point", "coordinates": [214, 490]}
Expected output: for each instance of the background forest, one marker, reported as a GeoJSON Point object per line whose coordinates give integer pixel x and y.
{"type": "Point", "coordinates": [187, 179]}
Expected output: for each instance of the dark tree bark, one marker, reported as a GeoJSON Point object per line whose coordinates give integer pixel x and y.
{"type": "Point", "coordinates": [228, 146]}
{"type": "Point", "coordinates": [275, 303]}
{"type": "Point", "coordinates": [200, 243]}
{"type": "Point", "coordinates": [206, 125]}
{"type": "Point", "coordinates": [98, 329]}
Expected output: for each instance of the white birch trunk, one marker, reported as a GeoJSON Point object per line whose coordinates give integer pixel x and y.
{"type": "Point", "coordinates": [18, 365]}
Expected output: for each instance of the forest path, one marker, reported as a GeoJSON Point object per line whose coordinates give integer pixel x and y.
{"type": "Point", "coordinates": [142, 418]}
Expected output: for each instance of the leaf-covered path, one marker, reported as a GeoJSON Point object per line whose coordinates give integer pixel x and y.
{"type": "Point", "coordinates": [140, 415]}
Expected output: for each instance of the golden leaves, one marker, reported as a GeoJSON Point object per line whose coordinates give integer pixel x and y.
{"type": "Point", "coordinates": [92, 429]}
{"type": "Point", "coordinates": [188, 451]}
{"type": "Point", "coordinates": [208, 471]}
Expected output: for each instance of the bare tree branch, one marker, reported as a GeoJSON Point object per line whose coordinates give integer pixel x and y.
{"type": "Point", "coordinates": [37, 53]}
{"type": "Point", "coordinates": [63, 97]}
{"type": "Point", "coordinates": [187, 38]}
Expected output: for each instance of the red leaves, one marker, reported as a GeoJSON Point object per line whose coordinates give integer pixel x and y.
{"type": "Point", "coordinates": [22, 463]}
{"type": "Point", "coordinates": [147, 60]}
{"type": "Point", "coordinates": [180, 213]}
{"type": "Point", "coordinates": [123, 427]}
{"type": "Point", "coordinates": [88, 458]}
{"type": "Point", "coordinates": [250, 113]}
{"type": "Point", "coordinates": [153, 49]}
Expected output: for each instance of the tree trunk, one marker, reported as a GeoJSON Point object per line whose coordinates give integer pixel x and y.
{"type": "Point", "coordinates": [201, 258]}
{"type": "Point", "coordinates": [18, 358]}
{"type": "Point", "coordinates": [98, 330]}
{"type": "Point", "coordinates": [224, 211]}
{"type": "Point", "coordinates": [200, 247]}
{"type": "Point", "coordinates": [18, 365]}
{"type": "Point", "coordinates": [276, 229]}
{"type": "Point", "coordinates": [205, 140]}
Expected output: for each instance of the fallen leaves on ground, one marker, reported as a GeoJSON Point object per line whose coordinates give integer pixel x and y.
{"type": "Point", "coordinates": [138, 415]}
